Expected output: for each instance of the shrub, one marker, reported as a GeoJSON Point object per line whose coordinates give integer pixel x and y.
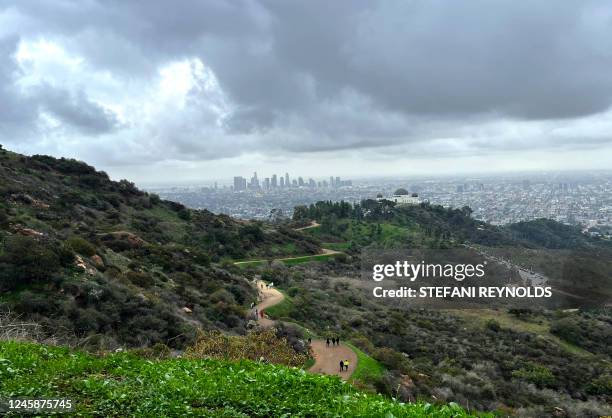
{"type": "Point", "coordinates": [536, 374]}
{"type": "Point", "coordinates": [25, 260]}
{"type": "Point", "coordinates": [139, 278]}
{"type": "Point", "coordinates": [4, 220]}
{"type": "Point", "coordinates": [81, 246]}
{"type": "Point", "coordinates": [493, 325]}
{"type": "Point", "coordinates": [254, 346]}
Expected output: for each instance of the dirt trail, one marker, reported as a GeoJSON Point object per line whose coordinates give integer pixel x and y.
{"type": "Point", "coordinates": [269, 297]}
{"type": "Point", "coordinates": [324, 251]}
{"type": "Point", "coordinates": [313, 224]}
{"type": "Point", "coordinates": [327, 359]}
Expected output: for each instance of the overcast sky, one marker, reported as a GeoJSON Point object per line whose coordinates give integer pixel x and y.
{"type": "Point", "coordinates": [159, 91]}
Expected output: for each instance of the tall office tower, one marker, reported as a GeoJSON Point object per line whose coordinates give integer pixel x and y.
{"type": "Point", "coordinates": [274, 181]}
{"type": "Point", "coordinates": [300, 181]}
{"type": "Point", "coordinates": [338, 183]}
{"type": "Point", "coordinates": [331, 181]}
{"type": "Point", "coordinates": [311, 183]}
{"type": "Point", "coordinates": [294, 183]}
{"type": "Point", "coordinates": [287, 182]}
{"type": "Point", "coordinates": [282, 182]}
{"type": "Point", "coordinates": [324, 183]}
{"type": "Point", "coordinates": [267, 183]}
{"type": "Point", "coordinates": [238, 183]}
{"type": "Point", "coordinates": [254, 184]}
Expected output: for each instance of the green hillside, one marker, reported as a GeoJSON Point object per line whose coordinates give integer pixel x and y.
{"type": "Point", "coordinates": [127, 385]}
{"type": "Point", "coordinates": [98, 260]}
{"type": "Point", "coordinates": [432, 226]}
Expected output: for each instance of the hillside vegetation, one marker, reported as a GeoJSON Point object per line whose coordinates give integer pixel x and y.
{"type": "Point", "coordinates": [526, 362]}
{"type": "Point", "coordinates": [105, 264]}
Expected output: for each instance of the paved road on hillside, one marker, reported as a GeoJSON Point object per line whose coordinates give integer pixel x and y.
{"type": "Point", "coordinates": [327, 360]}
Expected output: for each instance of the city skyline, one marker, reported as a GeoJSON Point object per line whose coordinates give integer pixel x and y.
{"type": "Point", "coordinates": [241, 183]}
{"type": "Point", "coordinates": [583, 198]}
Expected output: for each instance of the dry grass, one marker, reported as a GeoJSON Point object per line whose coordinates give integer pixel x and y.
{"type": "Point", "coordinates": [259, 346]}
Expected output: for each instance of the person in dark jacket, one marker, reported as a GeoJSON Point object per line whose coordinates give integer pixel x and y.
{"type": "Point", "coordinates": [341, 365]}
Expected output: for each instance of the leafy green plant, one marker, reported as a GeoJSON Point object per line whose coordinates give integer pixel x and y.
{"type": "Point", "coordinates": [127, 385]}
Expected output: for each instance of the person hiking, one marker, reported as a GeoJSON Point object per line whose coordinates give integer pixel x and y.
{"type": "Point", "coordinates": [261, 313]}
{"type": "Point", "coordinates": [333, 341]}
{"type": "Point", "coordinates": [338, 340]}
{"type": "Point", "coordinates": [341, 365]}
{"type": "Point", "coordinates": [309, 340]}
{"type": "Point", "coordinates": [328, 342]}
{"type": "Point", "coordinates": [346, 364]}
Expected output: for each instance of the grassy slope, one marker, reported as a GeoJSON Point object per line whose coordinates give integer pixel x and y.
{"type": "Point", "coordinates": [367, 367]}
{"type": "Point", "coordinates": [478, 317]}
{"type": "Point", "coordinates": [126, 385]}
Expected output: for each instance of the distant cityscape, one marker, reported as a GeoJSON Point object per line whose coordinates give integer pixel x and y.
{"type": "Point", "coordinates": [583, 198]}
{"type": "Point", "coordinates": [274, 182]}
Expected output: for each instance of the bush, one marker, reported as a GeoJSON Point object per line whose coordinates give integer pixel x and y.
{"type": "Point", "coordinates": [140, 279]}
{"type": "Point", "coordinates": [4, 220]}
{"type": "Point", "coordinates": [493, 325]}
{"type": "Point", "coordinates": [536, 374]}
{"type": "Point", "coordinates": [266, 345]}
{"type": "Point", "coordinates": [25, 260]}
{"type": "Point", "coordinates": [81, 246]}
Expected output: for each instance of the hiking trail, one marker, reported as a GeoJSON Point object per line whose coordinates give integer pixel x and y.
{"type": "Point", "coordinates": [327, 359]}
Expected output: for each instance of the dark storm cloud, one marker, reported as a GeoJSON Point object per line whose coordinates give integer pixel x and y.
{"type": "Point", "coordinates": [321, 75]}
{"type": "Point", "coordinates": [21, 107]}
{"type": "Point", "coordinates": [76, 110]}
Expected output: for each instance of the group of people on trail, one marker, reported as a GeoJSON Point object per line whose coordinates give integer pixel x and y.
{"type": "Point", "coordinates": [344, 365]}
{"type": "Point", "coordinates": [334, 341]}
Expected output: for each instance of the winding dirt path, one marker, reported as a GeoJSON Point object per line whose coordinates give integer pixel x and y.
{"type": "Point", "coordinates": [313, 224]}
{"type": "Point", "coordinates": [324, 251]}
{"type": "Point", "coordinates": [269, 297]}
{"type": "Point", "coordinates": [327, 359]}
